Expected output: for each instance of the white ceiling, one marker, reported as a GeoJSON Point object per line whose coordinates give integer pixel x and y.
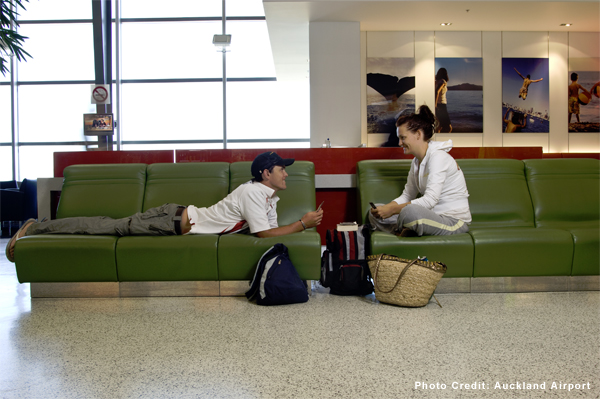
{"type": "Point", "coordinates": [288, 20]}
{"type": "Point", "coordinates": [427, 15]}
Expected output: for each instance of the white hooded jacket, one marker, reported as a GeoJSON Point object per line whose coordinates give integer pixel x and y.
{"type": "Point", "coordinates": [440, 182]}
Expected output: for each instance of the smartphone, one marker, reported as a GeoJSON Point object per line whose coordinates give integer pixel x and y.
{"type": "Point", "coordinates": [319, 208]}
{"type": "Point", "coordinates": [373, 205]}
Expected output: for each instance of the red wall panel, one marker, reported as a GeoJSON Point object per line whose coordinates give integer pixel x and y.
{"type": "Point", "coordinates": [64, 159]}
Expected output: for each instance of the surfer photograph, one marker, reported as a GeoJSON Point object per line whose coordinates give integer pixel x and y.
{"type": "Point", "coordinates": [584, 101]}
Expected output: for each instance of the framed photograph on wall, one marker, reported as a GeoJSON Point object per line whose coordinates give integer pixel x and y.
{"type": "Point", "coordinates": [525, 95]}
{"type": "Point", "coordinates": [98, 124]}
{"type": "Point", "coordinates": [459, 95]}
{"type": "Point", "coordinates": [390, 92]}
{"type": "Point", "coordinates": [584, 95]}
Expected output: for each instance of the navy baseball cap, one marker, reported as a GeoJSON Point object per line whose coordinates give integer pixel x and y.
{"type": "Point", "coordinates": [266, 160]}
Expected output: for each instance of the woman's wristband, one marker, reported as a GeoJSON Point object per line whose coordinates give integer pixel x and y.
{"type": "Point", "coordinates": [303, 225]}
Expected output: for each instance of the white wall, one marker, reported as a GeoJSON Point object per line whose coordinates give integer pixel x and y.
{"type": "Point", "coordinates": [335, 81]}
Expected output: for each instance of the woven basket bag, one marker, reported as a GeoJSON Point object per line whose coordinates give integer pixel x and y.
{"type": "Point", "coordinates": [404, 282]}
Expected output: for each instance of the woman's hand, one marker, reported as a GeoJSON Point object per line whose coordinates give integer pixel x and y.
{"type": "Point", "coordinates": [383, 211]}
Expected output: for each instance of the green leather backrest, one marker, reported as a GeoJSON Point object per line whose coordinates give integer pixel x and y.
{"type": "Point", "coordinates": [113, 190]}
{"type": "Point", "coordinates": [379, 181]}
{"type": "Point", "coordinates": [498, 194]}
{"type": "Point", "coordinates": [196, 183]}
{"type": "Point", "coordinates": [565, 191]}
{"type": "Point", "coordinates": [296, 200]}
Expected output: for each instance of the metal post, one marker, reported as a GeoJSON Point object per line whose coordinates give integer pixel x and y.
{"type": "Point", "coordinates": [14, 112]}
{"type": "Point", "coordinates": [118, 72]}
{"type": "Point", "coordinates": [224, 84]}
{"type": "Point", "coordinates": [101, 17]}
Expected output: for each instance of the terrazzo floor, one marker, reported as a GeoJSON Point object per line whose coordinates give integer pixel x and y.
{"type": "Point", "coordinates": [495, 345]}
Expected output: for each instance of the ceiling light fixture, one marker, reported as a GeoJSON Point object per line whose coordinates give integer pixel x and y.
{"type": "Point", "coordinates": [446, 23]}
{"type": "Point", "coordinates": [566, 24]}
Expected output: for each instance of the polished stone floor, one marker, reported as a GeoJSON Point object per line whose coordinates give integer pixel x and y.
{"type": "Point", "coordinates": [495, 345]}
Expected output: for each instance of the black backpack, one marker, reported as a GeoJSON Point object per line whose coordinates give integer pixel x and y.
{"type": "Point", "coordinates": [344, 267]}
{"type": "Point", "coordinates": [276, 281]}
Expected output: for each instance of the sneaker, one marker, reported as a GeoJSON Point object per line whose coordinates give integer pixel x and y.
{"type": "Point", "coordinates": [11, 243]}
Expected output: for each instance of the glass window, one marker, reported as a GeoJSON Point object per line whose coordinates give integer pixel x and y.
{"type": "Point", "coordinates": [171, 9]}
{"type": "Point", "coordinates": [250, 54]}
{"type": "Point", "coordinates": [5, 163]}
{"type": "Point", "coordinates": [62, 120]}
{"type": "Point", "coordinates": [269, 145]}
{"type": "Point", "coordinates": [269, 110]}
{"type": "Point", "coordinates": [56, 9]}
{"type": "Point", "coordinates": [170, 50]}
{"type": "Point", "coordinates": [244, 8]}
{"type": "Point", "coordinates": [38, 161]}
{"type": "Point", "coordinates": [154, 147]}
{"type": "Point", "coordinates": [51, 61]}
{"type": "Point", "coordinates": [172, 111]}
{"type": "Point", "coordinates": [5, 120]}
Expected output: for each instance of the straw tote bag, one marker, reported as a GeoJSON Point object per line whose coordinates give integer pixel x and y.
{"type": "Point", "coordinates": [405, 282]}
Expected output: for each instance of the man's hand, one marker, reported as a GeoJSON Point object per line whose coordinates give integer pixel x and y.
{"type": "Point", "coordinates": [313, 219]}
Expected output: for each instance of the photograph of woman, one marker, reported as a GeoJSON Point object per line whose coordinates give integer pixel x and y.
{"type": "Point", "coordinates": [459, 104]}
{"type": "Point", "coordinates": [441, 109]}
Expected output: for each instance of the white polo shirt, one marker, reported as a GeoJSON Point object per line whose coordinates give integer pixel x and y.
{"type": "Point", "coordinates": [252, 205]}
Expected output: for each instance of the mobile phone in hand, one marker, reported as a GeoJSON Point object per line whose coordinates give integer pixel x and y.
{"type": "Point", "coordinates": [372, 205]}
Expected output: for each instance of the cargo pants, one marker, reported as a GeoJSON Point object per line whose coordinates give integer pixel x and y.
{"type": "Point", "coordinates": [422, 221]}
{"type": "Point", "coordinates": [159, 221]}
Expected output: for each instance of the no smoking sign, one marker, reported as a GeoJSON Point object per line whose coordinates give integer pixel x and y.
{"type": "Point", "coordinates": [100, 94]}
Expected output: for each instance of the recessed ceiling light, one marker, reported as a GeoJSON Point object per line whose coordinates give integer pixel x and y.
{"type": "Point", "coordinates": [446, 23]}
{"type": "Point", "coordinates": [566, 24]}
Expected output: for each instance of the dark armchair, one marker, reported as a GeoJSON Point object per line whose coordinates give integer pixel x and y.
{"type": "Point", "coordinates": [17, 205]}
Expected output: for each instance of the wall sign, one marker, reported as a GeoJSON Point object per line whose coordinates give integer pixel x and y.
{"type": "Point", "coordinates": [100, 94]}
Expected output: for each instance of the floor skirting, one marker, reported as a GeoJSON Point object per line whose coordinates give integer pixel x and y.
{"type": "Point", "coordinates": [238, 288]}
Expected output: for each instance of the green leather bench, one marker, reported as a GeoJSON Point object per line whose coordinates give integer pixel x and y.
{"type": "Point", "coordinates": [170, 265]}
{"type": "Point", "coordinates": [533, 221]}
{"type": "Point", "coordinates": [565, 195]}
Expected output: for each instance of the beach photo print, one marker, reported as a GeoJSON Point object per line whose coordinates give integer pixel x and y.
{"type": "Point", "coordinates": [390, 92]}
{"type": "Point", "coordinates": [459, 95]}
{"type": "Point", "coordinates": [584, 95]}
{"type": "Point", "coordinates": [525, 95]}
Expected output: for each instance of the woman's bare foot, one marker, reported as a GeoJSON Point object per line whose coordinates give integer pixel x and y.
{"type": "Point", "coordinates": [407, 233]}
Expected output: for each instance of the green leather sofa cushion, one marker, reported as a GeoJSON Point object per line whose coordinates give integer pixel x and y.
{"type": "Point", "coordinates": [168, 258]}
{"type": "Point", "coordinates": [498, 193]}
{"type": "Point", "coordinates": [296, 200]}
{"type": "Point", "coordinates": [586, 257]}
{"type": "Point", "coordinates": [565, 192]}
{"type": "Point", "coordinates": [199, 183]}
{"type": "Point", "coordinates": [113, 190]}
{"type": "Point", "coordinates": [455, 251]}
{"type": "Point", "coordinates": [522, 252]}
{"type": "Point", "coordinates": [239, 254]}
{"type": "Point", "coordinates": [66, 258]}
{"type": "Point", "coordinates": [379, 181]}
